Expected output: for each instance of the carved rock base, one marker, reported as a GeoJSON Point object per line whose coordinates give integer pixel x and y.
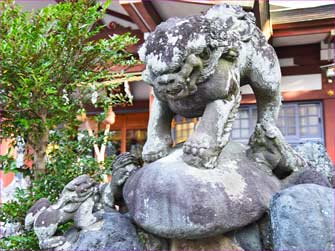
{"type": "Point", "coordinates": [219, 243]}
{"type": "Point", "coordinates": [174, 200]}
{"type": "Point", "coordinates": [114, 232]}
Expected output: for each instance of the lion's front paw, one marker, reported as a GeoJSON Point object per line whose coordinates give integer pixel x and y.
{"type": "Point", "coordinates": [154, 152]}
{"type": "Point", "coordinates": [201, 152]}
{"type": "Point", "coordinates": [52, 242]}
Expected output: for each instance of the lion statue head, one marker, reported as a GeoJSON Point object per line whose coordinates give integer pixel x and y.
{"type": "Point", "coordinates": [184, 52]}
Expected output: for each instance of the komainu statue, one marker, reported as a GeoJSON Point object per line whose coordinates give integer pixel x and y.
{"type": "Point", "coordinates": [90, 206]}
{"type": "Point", "coordinates": [196, 66]}
{"type": "Point", "coordinates": [77, 202]}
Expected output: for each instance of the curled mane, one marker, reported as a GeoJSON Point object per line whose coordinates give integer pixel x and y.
{"type": "Point", "coordinates": [223, 28]}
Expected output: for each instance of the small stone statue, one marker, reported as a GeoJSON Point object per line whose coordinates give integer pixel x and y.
{"type": "Point", "coordinates": [77, 202]}
{"type": "Point", "coordinates": [196, 66]}
{"type": "Point", "coordinates": [82, 201]}
{"type": "Point", "coordinates": [20, 149]}
{"type": "Point", "coordinates": [123, 166]}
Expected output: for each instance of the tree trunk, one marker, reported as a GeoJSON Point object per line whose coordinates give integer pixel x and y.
{"type": "Point", "coordinates": [39, 145]}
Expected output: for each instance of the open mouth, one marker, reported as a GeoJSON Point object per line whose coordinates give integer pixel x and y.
{"type": "Point", "coordinates": [174, 91]}
{"type": "Point", "coordinates": [193, 77]}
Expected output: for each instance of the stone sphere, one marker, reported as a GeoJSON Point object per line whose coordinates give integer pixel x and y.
{"type": "Point", "coordinates": [174, 200]}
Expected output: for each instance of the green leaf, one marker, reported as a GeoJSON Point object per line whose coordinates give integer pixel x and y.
{"type": "Point", "coordinates": [44, 54]}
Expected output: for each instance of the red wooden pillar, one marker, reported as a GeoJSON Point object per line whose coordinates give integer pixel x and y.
{"type": "Point", "coordinates": [124, 135]}
{"type": "Point", "coordinates": [329, 115]}
{"type": "Point", "coordinates": [151, 99]}
{"type": "Point", "coordinates": [329, 120]}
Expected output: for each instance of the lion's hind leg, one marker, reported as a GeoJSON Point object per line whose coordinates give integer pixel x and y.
{"type": "Point", "coordinates": [267, 144]}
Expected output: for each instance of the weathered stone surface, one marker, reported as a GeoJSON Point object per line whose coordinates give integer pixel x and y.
{"type": "Point", "coordinates": [196, 66]}
{"type": "Point", "coordinates": [152, 242]}
{"type": "Point", "coordinates": [77, 202]}
{"type": "Point", "coordinates": [307, 176]}
{"type": "Point", "coordinates": [174, 200]}
{"type": "Point", "coordinates": [316, 154]}
{"type": "Point", "coordinates": [114, 232]}
{"type": "Point", "coordinates": [219, 243]}
{"type": "Point", "coordinates": [265, 231]}
{"type": "Point", "coordinates": [302, 218]}
{"type": "Point", "coordinates": [248, 237]}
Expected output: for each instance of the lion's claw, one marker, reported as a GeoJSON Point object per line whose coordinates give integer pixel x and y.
{"type": "Point", "coordinates": [152, 156]}
{"type": "Point", "coordinates": [199, 156]}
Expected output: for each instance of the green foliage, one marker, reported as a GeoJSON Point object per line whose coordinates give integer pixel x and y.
{"type": "Point", "coordinates": [50, 66]}
{"type": "Point", "coordinates": [25, 241]}
{"type": "Point", "coordinates": [67, 159]}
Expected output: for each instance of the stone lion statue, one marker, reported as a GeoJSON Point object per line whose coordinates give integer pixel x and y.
{"type": "Point", "coordinates": [83, 201]}
{"type": "Point", "coordinates": [196, 66]}
{"type": "Point", "coordinates": [77, 202]}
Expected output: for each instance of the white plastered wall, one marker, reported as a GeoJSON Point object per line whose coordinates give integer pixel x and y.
{"type": "Point", "coordinates": [295, 83]}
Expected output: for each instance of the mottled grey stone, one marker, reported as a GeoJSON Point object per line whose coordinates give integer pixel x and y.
{"type": "Point", "coordinates": [218, 243]}
{"type": "Point", "coordinates": [114, 232]}
{"type": "Point", "coordinates": [316, 154]}
{"type": "Point", "coordinates": [196, 66]}
{"type": "Point", "coordinates": [174, 200]}
{"type": "Point", "coordinates": [76, 202]}
{"type": "Point", "coordinates": [302, 218]}
{"type": "Point", "coordinates": [265, 231]}
{"type": "Point", "coordinates": [152, 242]}
{"type": "Point", "coordinates": [306, 176]}
{"type": "Point", "coordinates": [248, 237]}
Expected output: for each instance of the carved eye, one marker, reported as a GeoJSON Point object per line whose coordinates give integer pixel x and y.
{"type": "Point", "coordinates": [205, 54]}
{"type": "Point", "coordinates": [178, 69]}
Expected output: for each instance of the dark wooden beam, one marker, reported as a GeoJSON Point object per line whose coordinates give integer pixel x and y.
{"type": "Point", "coordinates": [98, 23]}
{"type": "Point", "coordinates": [143, 13]}
{"type": "Point", "coordinates": [261, 11]}
{"type": "Point", "coordinates": [118, 15]}
{"type": "Point", "coordinates": [298, 50]}
{"type": "Point", "coordinates": [149, 14]}
{"type": "Point", "coordinates": [308, 60]}
{"type": "Point", "coordinates": [137, 106]}
{"type": "Point", "coordinates": [135, 16]}
{"type": "Point", "coordinates": [300, 70]}
{"type": "Point", "coordinates": [127, 69]}
{"type": "Point", "coordinates": [303, 28]}
{"type": "Point", "coordinates": [305, 24]}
